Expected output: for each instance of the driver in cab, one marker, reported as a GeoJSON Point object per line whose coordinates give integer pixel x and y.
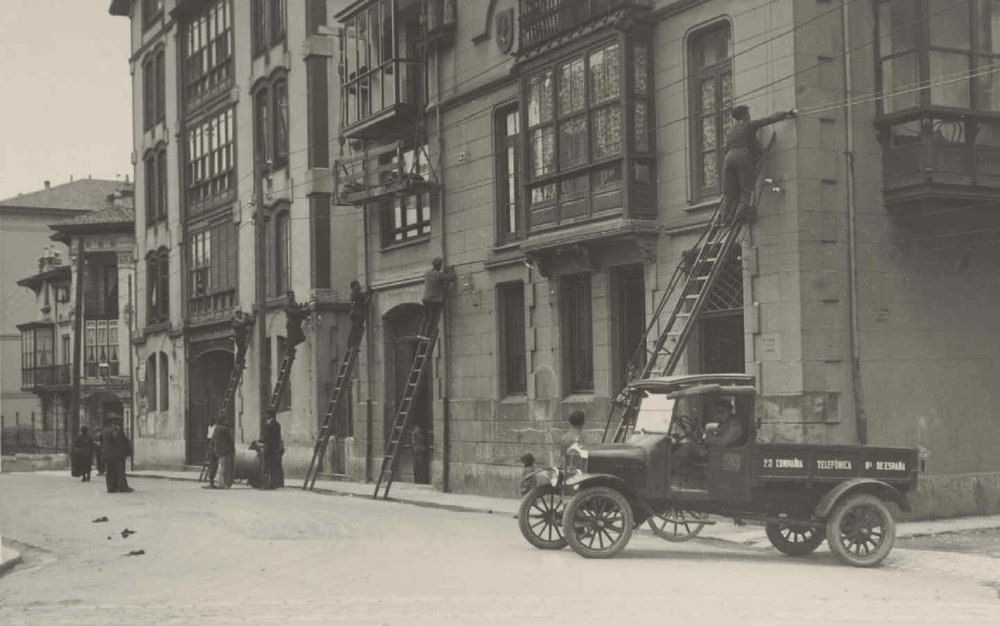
{"type": "Point", "coordinates": [726, 434]}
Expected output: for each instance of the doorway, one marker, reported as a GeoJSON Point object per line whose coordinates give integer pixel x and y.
{"type": "Point", "coordinates": [628, 286]}
{"type": "Point", "coordinates": [721, 325]}
{"type": "Point", "coordinates": [401, 326]}
{"type": "Point", "coordinates": [209, 375]}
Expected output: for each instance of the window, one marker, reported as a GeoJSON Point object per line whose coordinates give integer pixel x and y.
{"type": "Point", "coordinates": [513, 355]}
{"type": "Point", "coordinates": [100, 348]}
{"type": "Point", "coordinates": [317, 90]}
{"type": "Point", "coordinates": [575, 119]}
{"type": "Point", "coordinates": [151, 10]}
{"type": "Point", "coordinates": [508, 205]}
{"type": "Point", "coordinates": [381, 64]}
{"type": "Point", "coordinates": [212, 257]}
{"type": "Point", "coordinates": [150, 385]}
{"type": "Point", "coordinates": [579, 345]}
{"type": "Point", "coordinates": [271, 123]}
{"type": "Point", "coordinates": [154, 101]}
{"type": "Point", "coordinates": [210, 159]}
{"type": "Point", "coordinates": [406, 217]}
{"type": "Point", "coordinates": [268, 24]}
{"type": "Point", "coordinates": [157, 287]}
{"type": "Point", "coordinates": [282, 253]}
{"type": "Point", "coordinates": [963, 41]}
{"type": "Point", "coordinates": [164, 373]}
{"type": "Point", "coordinates": [155, 179]}
{"type": "Point", "coordinates": [711, 75]}
{"type": "Point", "coordinates": [207, 51]}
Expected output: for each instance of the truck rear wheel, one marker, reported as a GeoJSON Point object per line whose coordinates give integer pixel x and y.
{"type": "Point", "coordinates": [794, 539]}
{"type": "Point", "coordinates": [598, 522]}
{"type": "Point", "coordinates": [861, 530]}
{"type": "Point", "coordinates": [541, 518]}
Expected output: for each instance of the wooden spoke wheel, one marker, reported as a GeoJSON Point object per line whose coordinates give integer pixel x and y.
{"type": "Point", "coordinates": [861, 530]}
{"type": "Point", "coordinates": [598, 522]}
{"type": "Point", "coordinates": [541, 518]}
{"type": "Point", "coordinates": [794, 539]}
{"type": "Point", "coordinates": [677, 525]}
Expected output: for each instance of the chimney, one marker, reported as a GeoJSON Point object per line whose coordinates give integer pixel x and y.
{"type": "Point", "coordinates": [47, 184]}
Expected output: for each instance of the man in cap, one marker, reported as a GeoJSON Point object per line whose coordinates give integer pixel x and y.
{"type": "Point", "coordinates": [726, 434]}
{"type": "Point", "coordinates": [295, 315]}
{"type": "Point", "coordinates": [436, 281]}
{"type": "Point", "coordinates": [740, 163]}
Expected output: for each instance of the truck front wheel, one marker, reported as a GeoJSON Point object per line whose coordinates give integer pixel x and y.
{"type": "Point", "coordinates": [861, 530]}
{"type": "Point", "coordinates": [598, 522]}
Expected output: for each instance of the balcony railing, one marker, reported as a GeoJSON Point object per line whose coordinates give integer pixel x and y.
{"type": "Point", "coordinates": [45, 376]}
{"type": "Point", "coordinates": [376, 173]}
{"type": "Point", "coordinates": [544, 20]}
{"type": "Point", "coordinates": [940, 158]}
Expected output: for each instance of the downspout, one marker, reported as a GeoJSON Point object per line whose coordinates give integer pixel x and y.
{"type": "Point", "coordinates": [446, 316]}
{"type": "Point", "coordinates": [131, 373]}
{"type": "Point", "coordinates": [369, 359]}
{"type": "Point", "coordinates": [861, 419]}
{"type": "Point", "coordinates": [74, 400]}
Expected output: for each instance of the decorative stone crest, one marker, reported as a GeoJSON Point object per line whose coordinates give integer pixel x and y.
{"type": "Point", "coordinates": [504, 25]}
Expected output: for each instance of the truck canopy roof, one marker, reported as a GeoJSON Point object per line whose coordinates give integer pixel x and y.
{"type": "Point", "coordinates": [695, 384]}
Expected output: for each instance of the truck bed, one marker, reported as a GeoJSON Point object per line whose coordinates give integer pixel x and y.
{"type": "Point", "coordinates": [833, 463]}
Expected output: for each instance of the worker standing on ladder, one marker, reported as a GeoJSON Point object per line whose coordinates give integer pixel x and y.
{"type": "Point", "coordinates": [739, 168]}
{"type": "Point", "coordinates": [436, 281]}
{"type": "Point", "coordinates": [359, 312]}
{"type": "Point", "coordinates": [295, 315]}
{"type": "Point", "coordinates": [241, 324]}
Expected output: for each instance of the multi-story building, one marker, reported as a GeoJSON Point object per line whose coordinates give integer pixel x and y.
{"type": "Point", "coordinates": [232, 130]}
{"type": "Point", "coordinates": [24, 233]}
{"type": "Point", "coordinates": [89, 297]}
{"type": "Point", "coordinates": [562, 155]}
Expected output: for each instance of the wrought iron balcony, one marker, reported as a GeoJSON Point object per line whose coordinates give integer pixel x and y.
{"type": "Point", "coordinates": [542, 21]}
{"type": "Point", "coordinates": [376, 173]}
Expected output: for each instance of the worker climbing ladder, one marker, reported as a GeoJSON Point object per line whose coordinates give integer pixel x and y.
{"type": "Point", "coordinates": [227, 398]}
{"type": "Point", "coordinates": [343, 375]}
{"type": "Point", "coordinates": [418, 370]}
{"type": "Point", "coordinates": [691, 283]}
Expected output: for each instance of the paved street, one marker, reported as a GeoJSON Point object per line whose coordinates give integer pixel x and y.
{"type": "Point", "coordinates": [290, 557]}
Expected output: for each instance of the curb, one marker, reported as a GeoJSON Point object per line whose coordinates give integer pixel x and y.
{"type": "Point", "coordinates": [11, 558]}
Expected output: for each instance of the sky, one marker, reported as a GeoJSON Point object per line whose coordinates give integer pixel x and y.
{"type": "Point", "coordinates": [65, 93]}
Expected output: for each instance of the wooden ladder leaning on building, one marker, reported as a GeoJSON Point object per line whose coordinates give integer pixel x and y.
{"type": "Point", "coordinates": [421, 361]}
{"type": "Point", "coordinates": [695, 276]}
{"type": "Point", "coordinates": [323, 440]}
{"type": "Point", "coordinates": [234, 381]}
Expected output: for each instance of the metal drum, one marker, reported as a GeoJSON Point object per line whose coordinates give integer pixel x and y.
{"type": "Point", "coordinates": [247, 467]}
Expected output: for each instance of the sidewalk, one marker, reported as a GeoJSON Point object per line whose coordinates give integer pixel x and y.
{"type": "Point", "coordinates": [9, 557]}
{"type": "Point", "coordinates": [751, 535]}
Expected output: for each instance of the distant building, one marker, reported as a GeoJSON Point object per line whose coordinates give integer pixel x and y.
{"type": "Point", "coordinates": [105, 239]}
{"type": "Point", "coordinates": [24, 236]}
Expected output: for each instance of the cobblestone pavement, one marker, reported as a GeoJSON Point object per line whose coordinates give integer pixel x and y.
{"type": "Point", "coordinates": [243, 556]}
{"type": "Point", "coordinates": [984, 542]}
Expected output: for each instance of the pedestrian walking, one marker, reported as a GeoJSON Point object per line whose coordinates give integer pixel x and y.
{"type": "Point", "coordinates": [82, 456]}
{"type": "Point", "coordinates": [115, 448]}
{"type": "Point", "coordinates": [421, 464]}
{"type": "Point", "coordinates": [274, 475]}
{"type": "Point", "coordinates": [224, 448]}
{"type": "Point", "coordinates": [436, 281]}
{"type": "Point", "coordinates": [210, 458]}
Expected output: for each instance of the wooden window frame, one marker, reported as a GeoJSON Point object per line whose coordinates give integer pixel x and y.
{"type": "Point", "coordinates": [509, 210]}
{"type": "Point", "coordinates": [401, 231]}
{"type": "Point", "coordinates": [719, 72]}
{"type": "Point", "coordinates": [210, 167]}
{"type": "Point", "coordinates": [270, 113]}
{"type": "Point", "coordinates": [207, 52]}
{"type": "Point", "coordinates": [512, 339]}
{"type": "Point", "coordinates": [578, 335]}
{"type": "Point", "coordinates": [268, 24]}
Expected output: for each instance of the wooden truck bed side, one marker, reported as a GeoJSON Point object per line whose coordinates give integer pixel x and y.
{"type": "Point", "coordinates": [833, 463]}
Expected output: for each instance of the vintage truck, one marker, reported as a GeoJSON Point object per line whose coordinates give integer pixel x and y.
{"type": "Point", "coordinates": [803, 493]}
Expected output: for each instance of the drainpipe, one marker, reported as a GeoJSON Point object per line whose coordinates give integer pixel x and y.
{"type": "Point", "coordinates": [445, 317]}
{"type": "Point", "coordinates": [369, 360]}
{"type": "Point", "coordinates": [74, 401]}
{"type": "Point", "coordinates": [130, 314]}
{"type": "Point", "coordinates": [861, 419]}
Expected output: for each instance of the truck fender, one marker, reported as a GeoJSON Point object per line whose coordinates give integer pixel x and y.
{"type": "Point", "coordinates": [867, 485]}
{"type": "Point", "coordinates": [583, 480]}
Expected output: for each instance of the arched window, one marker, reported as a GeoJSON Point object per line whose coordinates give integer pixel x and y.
{"type": "Point", "coordinates": [150, 385]}
{"type": "Point", "coordinates": [282, 252]}
{"type": "Point", "coordinates": [711, 75]}
{"type": "Point", "coordinates": [164, 381]}
{"type": "Point", "coordinates": [158, 286]}
{"type": "Point", "coordinates": [271, 122]}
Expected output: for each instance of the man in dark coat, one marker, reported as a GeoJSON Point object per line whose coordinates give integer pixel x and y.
{"type": "Point", "coordinates": [436, 281]}
{"type": "Point", "coordinates": [359, 311]}
{"type": "Point", "coordinates": [295, 315]}
{"type": "Point", "coordinates": [739, 168]}
{"type": "Point", "coordinates": [115, 448]}
{"type": "Point", "coordinates": [82, 457]}
{"type": "Point", "coordinates": [241, 324]}
{"type": "Point", "coordinates": [421, 463]}
{"type": "Point", "coordinates": [273, 474]}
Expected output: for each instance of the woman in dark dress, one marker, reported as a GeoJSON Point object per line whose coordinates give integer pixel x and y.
{"type": "Point", "coordinates": [83, 455]}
